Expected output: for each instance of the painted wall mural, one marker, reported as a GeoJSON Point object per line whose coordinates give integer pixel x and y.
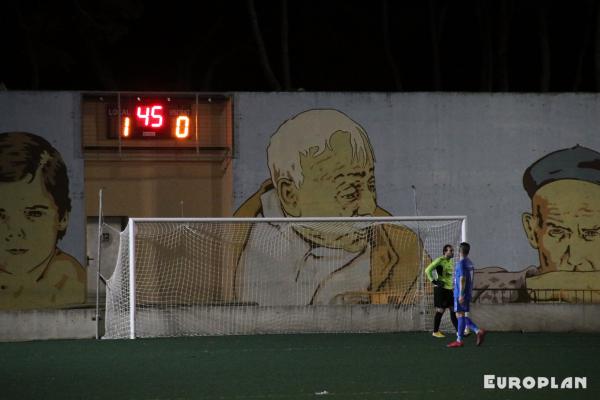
{"type": "Point", "coordinates": [322, 163]}
{"type": "Point", "coordinates": [35, 206]}
{"type": "Point", "coordinates": [563, 226]}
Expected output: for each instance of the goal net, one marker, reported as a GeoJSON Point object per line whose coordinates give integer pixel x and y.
{"type": "Point", "coordinates": [230, 276]}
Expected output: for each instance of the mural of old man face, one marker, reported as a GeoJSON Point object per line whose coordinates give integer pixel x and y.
{"type": "Point", "coordinates": [322, 164]}
{"type": "Point", "coordinates": [564, 225]}
{"type": "Point", "coordinates": [34, 215]}
{"type": "Point", "coordinates": [324, 170]}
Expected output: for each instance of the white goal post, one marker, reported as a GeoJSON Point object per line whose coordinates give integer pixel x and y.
{"type": "Point", "coordinates": [223, 276]}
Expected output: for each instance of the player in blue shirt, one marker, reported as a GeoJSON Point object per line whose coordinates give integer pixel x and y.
{"type": "Point", "coordinates": [463, 289]}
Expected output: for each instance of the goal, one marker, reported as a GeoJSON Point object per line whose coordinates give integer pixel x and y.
{"type": "Point", "coordinates": [233, 276]}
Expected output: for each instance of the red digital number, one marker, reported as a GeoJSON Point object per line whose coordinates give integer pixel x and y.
{"type": "Point", "coordinates": [145, 116]}
{"type": "Point", "coordinates": [157, 114]}
{"type": "Point", "coordinates": [152, 116]}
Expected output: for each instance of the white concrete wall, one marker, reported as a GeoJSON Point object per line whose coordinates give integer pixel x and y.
{"type": "Point", "coordinates": [80, 323]}
{"type": "Point", "coordinates": [18, 326]}
{"type": "Point", "coordinates": [538, 317]}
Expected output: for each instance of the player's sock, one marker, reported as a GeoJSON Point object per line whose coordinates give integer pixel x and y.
{"type": "Point", "coordinates": [437, 319]}
{"type": "Point", "coordinates": [461, 328]}
{"type": "Point", "coordinates": [472, 325]}
{"type": "Point", "coordinates": [454, 320]}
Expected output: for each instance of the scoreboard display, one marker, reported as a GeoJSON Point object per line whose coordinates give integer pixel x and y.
{"type": "Point", "coordinates": [151, 118]}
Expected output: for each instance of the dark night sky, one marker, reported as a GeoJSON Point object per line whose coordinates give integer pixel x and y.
{"type": "Point", "coordinates": [335, 45]}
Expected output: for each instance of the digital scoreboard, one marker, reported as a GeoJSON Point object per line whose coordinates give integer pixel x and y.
{"type": "Point", "coordinates": [149, 118]}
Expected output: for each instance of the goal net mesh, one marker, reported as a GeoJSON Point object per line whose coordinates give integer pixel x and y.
{"type": "Point", "coordinates": [229, 277]}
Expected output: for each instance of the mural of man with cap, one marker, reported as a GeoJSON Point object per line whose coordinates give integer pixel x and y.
{"type": "Point", "coordinates": [563, 226]}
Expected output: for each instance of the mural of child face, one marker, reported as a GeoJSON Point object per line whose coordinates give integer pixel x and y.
{"type": "Point", "coordinates": [565, 226]}
{"type": "Point", "coordinates": [29, 225]}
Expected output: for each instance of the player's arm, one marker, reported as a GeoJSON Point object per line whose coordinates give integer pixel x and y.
{"type": "Point", "coordinates": [462, 283]}
{"type": "Point", "coordinates": [431, 271]}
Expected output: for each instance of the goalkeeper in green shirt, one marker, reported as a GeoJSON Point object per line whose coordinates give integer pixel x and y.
{"type": "Point", "coordinates": [439, 272]}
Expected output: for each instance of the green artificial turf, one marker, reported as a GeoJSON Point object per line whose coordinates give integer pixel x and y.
{"type": "Point", "coordinates": [334, 366]}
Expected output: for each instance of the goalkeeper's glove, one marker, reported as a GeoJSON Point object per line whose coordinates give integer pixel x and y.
{"type": "Point", "coordinates": [437, 283]}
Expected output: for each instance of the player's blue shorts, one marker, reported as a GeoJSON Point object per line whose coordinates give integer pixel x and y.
{"type": "Point", "coordinates": [464, 307]}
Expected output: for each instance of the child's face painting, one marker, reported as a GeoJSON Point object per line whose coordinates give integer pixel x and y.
{"type": "Point", "coordinates": [29, 224]}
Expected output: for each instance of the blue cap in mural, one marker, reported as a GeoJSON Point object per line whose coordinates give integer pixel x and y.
{"type": "Point", "coordinates": [580, 163]}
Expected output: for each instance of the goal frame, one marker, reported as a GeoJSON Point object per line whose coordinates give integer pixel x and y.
{"type": "Point", "coordinates": [131, 226]}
